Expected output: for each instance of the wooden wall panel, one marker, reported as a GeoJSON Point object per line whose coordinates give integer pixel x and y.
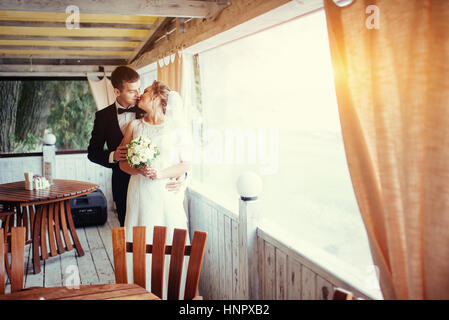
{"type": "Point", "coordinates": [220, 277]}
{"type": "Point", "coordinates": [281, 275]}
{"type": "Point", "coordinates": [293, 276]}
{"type": "Point", "coordinates": [269, 277]}
{"type": "Point", "coordinates": [293, 279]}
{"type": "Point", "coordinates": [308, 283]}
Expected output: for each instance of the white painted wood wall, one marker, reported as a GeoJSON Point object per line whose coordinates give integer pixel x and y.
{"type": "Point", "coordinates": [220, 277]}
{"type": "Point", "coordinates": [68, 166]}
{"type": "Point", "coordinates": [285, 274]}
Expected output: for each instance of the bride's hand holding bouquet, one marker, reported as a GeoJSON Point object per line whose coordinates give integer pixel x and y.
{"type": "Point", "coordinates": [141, 152]}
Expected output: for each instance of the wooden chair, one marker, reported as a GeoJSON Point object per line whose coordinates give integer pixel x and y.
{"type": "Point", "coordinates": [341, 294]}
{"type": "Point", "coordinates": [17, 259]}
{"type": "Point", "coordinates": [5, 220]}
{"type": "Point", "coordinates": [159, 249]}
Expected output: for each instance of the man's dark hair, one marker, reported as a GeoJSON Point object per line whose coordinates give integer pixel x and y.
{"type": "Point", "coordinates": [123, 74]}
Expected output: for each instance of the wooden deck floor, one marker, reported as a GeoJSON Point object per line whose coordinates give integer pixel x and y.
{"type": "Point", "coordinates": [95, 267]}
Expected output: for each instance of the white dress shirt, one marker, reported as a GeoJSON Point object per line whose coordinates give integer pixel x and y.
{"type": "Point", "coordinates": [123, 120]}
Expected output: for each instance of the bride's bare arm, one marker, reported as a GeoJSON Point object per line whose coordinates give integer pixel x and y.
{"type": "Point", "coordinates": [176, 170]}
{"type": "Point", "coordinates": [170, 172]}
{"type": "Point", "coordinates": [124, 165]}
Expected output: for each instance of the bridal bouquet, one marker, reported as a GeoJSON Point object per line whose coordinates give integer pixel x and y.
{"type": "Point", "coordinates": [141, 151]}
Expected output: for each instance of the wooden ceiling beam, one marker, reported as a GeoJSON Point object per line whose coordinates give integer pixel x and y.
{"type": "Point", "coordinates": [69, 38]}
{"type": "Point", "coordinates": [54, 69]}
{"type": "Point", "coordinates": [64, 32]}
{"type": "Point", "coordinates": [62, 49]}
{"type": "Point", "coordinates": [40, 24]}
{"type": "Point", "coordinates": [74, 43]}
{"type": "Point", "coordinates": [32, 16]}
{"type": "Point", "coordinates": [47, 75]}
{"type": "Point", "coordinates": [66, 52]}
{"type": "Point", "coordinates": [148, 38]}
{"type": "Point", "coordinates": [148, 43]}
{"type": "Point", "coordinates": [155, 8]}
{"type": "Point", "coordinates": [62, 61]}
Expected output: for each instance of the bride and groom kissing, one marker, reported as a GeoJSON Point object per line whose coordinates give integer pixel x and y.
{"type": "Point", "coordinates": [149, 196]}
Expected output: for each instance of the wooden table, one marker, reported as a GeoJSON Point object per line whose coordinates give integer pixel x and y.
{"type": "Point", "coordinates": [45, 212]}
{"type": "Point", "coordinates": [90, 292]}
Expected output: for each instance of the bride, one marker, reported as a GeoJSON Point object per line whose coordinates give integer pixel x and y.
{"type": "Point", "coordinates": [149, 203]}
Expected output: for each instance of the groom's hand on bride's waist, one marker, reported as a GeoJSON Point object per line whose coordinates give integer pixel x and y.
{"type": "Point", "coordinates": [120, 153]}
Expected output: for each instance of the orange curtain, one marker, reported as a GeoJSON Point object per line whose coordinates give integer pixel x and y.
{"type": "Point", "coordinates": [169, 71]}
{"type": "Point", "coordinates": [390, 60]}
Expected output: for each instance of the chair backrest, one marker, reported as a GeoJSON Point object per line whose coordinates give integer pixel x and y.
{"type": "Point", "coordinates": [341, 294]}
{"type": "Point", "coordinates": [159, 249]}
{"type": "Point", "coordinates": [17, 258]}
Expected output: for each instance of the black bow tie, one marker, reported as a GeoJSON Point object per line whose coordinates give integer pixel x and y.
{"type": "Point", "coordinates": [131, 109]}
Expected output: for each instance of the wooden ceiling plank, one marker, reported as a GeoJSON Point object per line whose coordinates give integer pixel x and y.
{"type": "Point", "coordinates": [81, 25]}
{"type": "Point", "coordinates": [70, 38]}
{"type": "Point", "coordinates": [53, 68]}
{"type": "Point", "coordinates": [160, 8]}
{"type": "Point", "coordinates": [58, 58]}
{"type": "Point", "coordinates": [64, 52]}
{"type": "Point", "coordinates": [62, 62]}
{"type": "Point", "coordinates": [84, 17]}
{"type": "Point", "coordinates": [74, 43]}
{"type": "Point", "coordinates": [85, 32]}
{"type": "Point", "coordinates": [47, 75]}
{"type": "Point", "coordinates": [65, 49]}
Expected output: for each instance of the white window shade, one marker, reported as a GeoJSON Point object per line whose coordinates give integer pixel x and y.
{"type": "Point", "coordinates": [102, 91]}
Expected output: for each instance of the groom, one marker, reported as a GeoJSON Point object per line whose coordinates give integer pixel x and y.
{"type": "Point", "coordinates": [109, 127]}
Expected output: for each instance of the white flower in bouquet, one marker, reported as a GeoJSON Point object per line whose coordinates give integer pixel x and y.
{"type": "Point", "coordinates": [141, 151]}
{"type": "Point", "coordinates": [143, 158]}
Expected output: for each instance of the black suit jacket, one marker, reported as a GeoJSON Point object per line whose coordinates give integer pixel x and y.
{"type": "Point", "coordinates": [107, 130]}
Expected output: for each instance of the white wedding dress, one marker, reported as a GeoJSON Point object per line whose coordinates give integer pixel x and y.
{"type": "Point", "coordinates": [149, 203]}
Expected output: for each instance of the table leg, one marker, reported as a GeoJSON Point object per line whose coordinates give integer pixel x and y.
{"type": "Point", "coordinates": [51, 230]}
{"type": "Point", "coordinates": [9, 224]}
{"type": "Point", "coordinates": [31, 208]}
{"type": "Point", "coordinates": [72, 229]}
{"type": "Point", "coordinates": [44, 250]}
{"type": "Point", "coordinates": [61, 248]}
{"type": "Point", "coordinates": [18, 216]}
{"type": "Point", "coordinates": [26, 223]}
{"type": "Point", "coordinates": [63, 219]}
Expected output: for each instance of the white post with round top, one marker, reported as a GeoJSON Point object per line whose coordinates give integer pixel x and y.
{"type": "Point", "coordinates": [249, 186]}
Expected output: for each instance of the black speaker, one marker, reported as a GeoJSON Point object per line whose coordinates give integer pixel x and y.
{"type": "Point", "coordinates": [89, 209]}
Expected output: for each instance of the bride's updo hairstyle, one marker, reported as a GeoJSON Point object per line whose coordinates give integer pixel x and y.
{"type": "Point", "coordinates": [160, 92]}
